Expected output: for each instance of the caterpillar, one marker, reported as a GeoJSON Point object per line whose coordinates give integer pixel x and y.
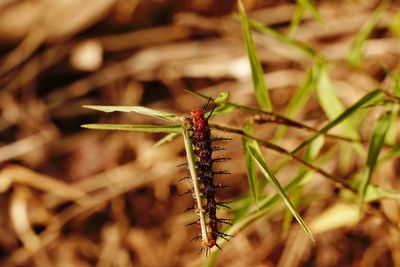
{"type": "Point", "coordinates": [203, 150]}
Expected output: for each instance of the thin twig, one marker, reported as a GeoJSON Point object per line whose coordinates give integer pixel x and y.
{"type": "Point", "coordinates": [343, 183]}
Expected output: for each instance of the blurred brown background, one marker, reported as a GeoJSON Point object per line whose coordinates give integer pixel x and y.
{"type": "Point", "coordinates": [75, 197]}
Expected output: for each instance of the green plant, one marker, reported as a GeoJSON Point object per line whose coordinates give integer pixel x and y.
{"type": "Point", "coordinates": [357, 189]}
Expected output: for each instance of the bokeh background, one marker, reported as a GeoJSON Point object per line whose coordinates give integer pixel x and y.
{"type": "Point", "coordinates": [77, 197]}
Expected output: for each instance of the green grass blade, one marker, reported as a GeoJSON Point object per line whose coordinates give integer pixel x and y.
{"type": "Point", "coordinates": [261, 90]}
{"type": "Point", "coordinates": [335, 216]}
{"type": "Point", "coordinates": [174, 128]}
{"type": "Point", "coordinates": [370, 98]}
{"type": "Point", "coordinates": [304, 174]}
{"type": "Point", "coordinates": [297, 101]}
{"type": "Point", "coordinates": [393, 153]}
{"type": "Point", "coordinates": [301, 96]}
{"type": "Point", "coordinates": [257, 156]}
{"type": "Point", "coordinates": [306, 50]}
{"type": "Point", "coordinates": [330, 102]}
{"type": "Point", "coordinates": [249, 162]}
{"type": "Point", "coordinates": [168, 138]}
{"type": "Point", "coordinates": [138, 109]}
{"type": "Point", "coordinates": [376, 142]}
{"type": "Point", "coordinates": [375, 193]}
{"type": "Point", "coordinates": [294, 24]}
{"type": "Point", "coordinates": [394, 24]}
{"type": "Point", "coordinates": [355, 55]}
{"type": "Point", "coordinates": [309, 6]}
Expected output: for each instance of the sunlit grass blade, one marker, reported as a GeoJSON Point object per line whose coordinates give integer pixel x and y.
{"type": "Point", "coordinates": [260, 88]}
{"type": "Point", "coordinates": [394, 75]}
{"type": "Point", "coordinates": [249, 162]}
{"type": "Point", "coordinates": [138, 109]}
{"type": "Point", "coordinates": [174, 128]}
{"type": "Point", "coordinates": [393, 153]}
{"type": "Point", "coordinates": [304, 174]}
{"type": "Point", "coordinates": [370, 98]}
{"type": "Point", "coordinates": [168, 138]}
{"type": "Point", "coordinates": [355, 55]}
{"type": "Point", "coordinates": [306, 50]}
{"type": "Point", "coordinates": [376, 142]}
{"type": "Point", "coordinates": [294, 24]}
{"type": "Point", "coordinates": [309, 6]}
{"type": "Point", "coordinates": [337, 215]}
{"type": "Point", "coordinates": [331, 103]}
{"type": "Point", "coordinates": [394, 24]}
{"type": "Point", "coordinates": [375, 192]}
{"type": "Point", "coordinates": [297, 101]}
{"type": "Point", "coordinates": [257, 156]}
{"type": "Point", "coordinates": [301, 96]}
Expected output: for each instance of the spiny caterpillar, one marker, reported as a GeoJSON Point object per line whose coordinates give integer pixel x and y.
{"type": "Point", "coordinates": [201, 141]}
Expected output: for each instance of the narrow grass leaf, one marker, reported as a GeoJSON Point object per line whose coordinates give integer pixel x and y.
{"type": "Point", "coordinates": [261, 90]}
{"type": "Point", "coordinates": [285, 39]}
{"type": "Point", "coordinates": [355, 55]}
{"type": "Point", "coordinates": [394, 24]}
{"type": "Point", "coordinates": [393, 153]}
{"type": "Point", "coordinates": [301, 96]}
{"type": "Point", "coordinates": [375, 192]}
{"type": "Point", "coordinates": [249, 162]}
{"type": "Point", "coordinates": [168, 138]}
{"type": "Point", "coordinates": [303, 175]}
{"type": "Point", "coordinates": [331, 103]}
{"type": "Point", "coordinates": [309, 6]}
{"type": "Point", "coordinates": [376, 142]}
{"type": "Point", "coordinates": [174, 128]}
{"type": "Point", "coordinates": [223, 109]}
{"type": "Point", "coordinates": [138, 109]}
{"type": "Point", "coordinates": [370, 98]}
{"type": "Point", "coordinates": [338, 215]}
{"type": "Point", "coordinates": [297, 101]}
{"type": "Point", "coordinates": [327, 95]}
{"type": "Point", "coordinates": [257, 156]}
{"type": "Point", "coordinates": [294, 24]}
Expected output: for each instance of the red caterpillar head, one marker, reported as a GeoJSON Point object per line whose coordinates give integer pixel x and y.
{"type": "Point", "coordinates": [199, 122]}
{"type": "Point", "coordinates": [196, 114]}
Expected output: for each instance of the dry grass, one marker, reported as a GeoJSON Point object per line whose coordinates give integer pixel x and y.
{"type": "Point", "coordinates": [74, 197]}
